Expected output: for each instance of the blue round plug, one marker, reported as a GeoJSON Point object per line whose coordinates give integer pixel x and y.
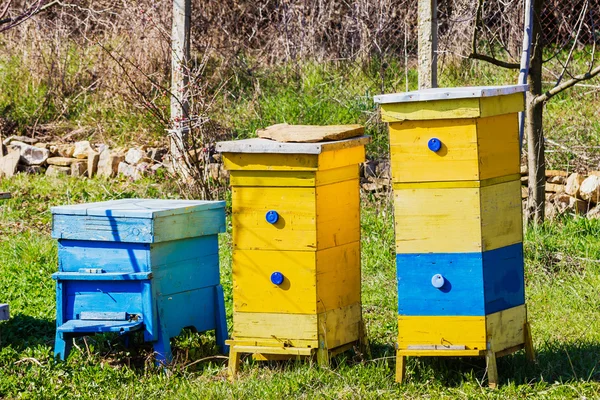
{"type": "Point", "coordinates": [434, 144]}
{"type": "Point", "coordinates": [438, 281]}
{"type": "Point", "coordinates": [277, 278]}
{"type": "Point", "coordinates": [272, 216]}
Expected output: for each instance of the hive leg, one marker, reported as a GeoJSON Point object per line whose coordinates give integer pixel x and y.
{"type": "Point", "coordinates": [363, 339]}
{"type": "Point", "coordinates": [162, 348]}
{"type": "Point", "coordinates": [221, 321]}
{"type": "Point", "coordinates": [400, 368]}
{"type": "Point", "coordinates": [234, 363]}
{"type": "Point", "coordinates": [492, 369]}
{"type": "Point", "coordinates": [62, 346]}
{"type": "Point", "coordinates": [529, 353]}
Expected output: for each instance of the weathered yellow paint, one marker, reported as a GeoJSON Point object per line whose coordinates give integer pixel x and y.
{"type": "Point", "coordinates": [499, 150]}
{"type": "Point", "coordinates": [342, 157]}
{"type": "Point", "coordinates": [469, 331]}
{"type": "Point", "coordinates": [472, 149]}
{"type": "Point", "coordinates": [457, 184]}
{"type": "Point", "coordinates": [453, 108]}
{"type": "Point", "coordinates": [501, 219]}
{"type": "Point", "coordinates": [338, 277]}
{"type": "Point", "coordinates": [457, 220]}
{"type": "Point", "coordinates": [254, 291]}
{"type": "Point", "coordinates": [293, 178]}
{"type": "Point", "coordinates": [270, 162]}
{"type": "Point", "coordinates": [441, 220]}
{"type": "Point", "coordinates": [506, 329]}
{"type": "Point", "coordinates": [338, 214]}
{"type": "Point", "coordinates": [437, 353]}
{"type": "Point", "coordinates": [340, 326]}
{"type": "Point", "coordinates": [279, 327]}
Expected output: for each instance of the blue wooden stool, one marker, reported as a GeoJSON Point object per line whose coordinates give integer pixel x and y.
{"type": "Point", "coordinates": [138, 265]}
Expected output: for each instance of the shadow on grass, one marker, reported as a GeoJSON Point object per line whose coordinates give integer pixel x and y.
{"type": "Point", "coordinates": [22, 331]}
{"type": "Point", "coordinates": [555, 362]}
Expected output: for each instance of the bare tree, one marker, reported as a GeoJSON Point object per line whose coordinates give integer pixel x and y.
{"type": "Point", "coordinates": [581, 31]}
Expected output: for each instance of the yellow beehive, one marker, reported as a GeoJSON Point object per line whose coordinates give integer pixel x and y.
{"type": "Point", "coordinates": [455, 158]}
{"type": "Point", "coordinates": [296, 247]}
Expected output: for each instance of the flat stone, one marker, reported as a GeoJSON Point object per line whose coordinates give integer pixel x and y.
{"type": "Point", "coordinates": [134, 156]}
{"type": "Point", "coordinates": [129, 171]}
{"type": "Point", "coordinates": [9, 163]}
{"type": "Point", "coordinates": [55, 170]}
{"type": "Point", "coordinates": [66, 150]}
{"type": "Point", "coordinates": [590, 189]}
{"type": "Point", "coordinates": [108, 164]}
{"type": "Point", "coordinates": [82, 149]}
{"type": "Point", "coordinates": [92, 167]}
{"type": "Point", "coordinates": [79, 168]}
{"type": "Point", "coordinates": [31, 155]}
{"type": "Point", "coordinates": [61, 161]}
{"type": "Point", "coordinates": [22, 139]}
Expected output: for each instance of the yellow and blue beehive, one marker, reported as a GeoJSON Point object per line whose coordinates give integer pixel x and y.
{"type": "Point", "coordinates": [296, 247]}
{"type": "Point", "coordinates": [455, 160]}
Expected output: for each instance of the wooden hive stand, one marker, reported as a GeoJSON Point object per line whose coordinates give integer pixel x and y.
{"type": "Point", "coordinates": [455, 160]}
{"type": "Point", "coordinates": [296, 246]}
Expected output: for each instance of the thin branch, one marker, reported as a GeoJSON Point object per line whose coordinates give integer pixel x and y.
{"type": "Point", "coordinates": [580, 22]}
{"type": "Point", "coordinates": [565, 85]}
{"type": "Point", "coordinates": [31, 12]}
{"type": "Point", "coordinates": [494, 61]}
{"type": "Point", "coordinates": [5, 10]}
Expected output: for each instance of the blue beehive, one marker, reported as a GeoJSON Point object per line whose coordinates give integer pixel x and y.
{"type": "Point", "coordinates": [138, 265]}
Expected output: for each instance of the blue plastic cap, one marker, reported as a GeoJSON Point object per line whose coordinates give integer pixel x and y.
{"type": "Point", "coordinates": [437, 281]}
{"type": "Point", "coordinates": [434, 144]}
{"type": "Point", "coordinates": [277, 278]}
{"type": "Point", "coordinates": [272, 217]}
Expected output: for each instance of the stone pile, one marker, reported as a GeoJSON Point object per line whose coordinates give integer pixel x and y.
{"type": "Point", "coordinates": [24, 154]}
{"type": "Point", "coordinates": [566, 192]}
{"type": "Point", "coordinates": [375, 176]}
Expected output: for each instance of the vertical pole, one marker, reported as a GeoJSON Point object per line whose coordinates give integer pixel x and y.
{"type": "Point", "coordinates": [180, 47]}
{"type": "Point", "coordinates": [525, 56]}
{"type": "Point", "coordinates": [428, 41]}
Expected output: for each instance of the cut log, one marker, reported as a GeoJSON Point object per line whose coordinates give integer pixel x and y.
{"type": "Point", "coordinates": [310, 133]}
{"type": "Point", "coordinates": [590, 189]}
{"type": "Point", "coordinates": [573, 184]}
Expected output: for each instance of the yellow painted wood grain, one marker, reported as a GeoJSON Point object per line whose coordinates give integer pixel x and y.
{"type": "Point", "coordinates": [501, 220]}
{"type": "Point", "coordinates": [467, 331]}
{"type": "Point", "coordinates": [340, 326]}
{"type": "Point", "coordinates": [338, 277]}
{"type": "Point", "coordinates": [412, 161]}
{"type": "Point", "coordinates": [270, 162]}
{"type": "Point", "coordinates": [254, 292]}
{"type": "Point", "coordinates": [338, 214]}
{"type": "Point", "coordinates": [437, 220]}
{"type": "Point", "coordinates": [456, 184]}
{"type": "Point", "coordinates": [295, 229]}
{"type": "Point", "coordinates": [293, 178]}
{"type": "Point", "coordinates": [505, 329]}
{"type": "Point", "coordinates": [453, 108]}
{"type": "Point", "coordinates": [341, 157]}
{"type": "Point", "coordinates": [287, 329]}
{"type": "Point", "coordinates": [499, 151]}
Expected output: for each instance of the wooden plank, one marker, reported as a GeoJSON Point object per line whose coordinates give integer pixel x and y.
{"type": "Point", "coordinates": [254, 292]}
{"type": "Point", "coordinates": [413, 161]}
{"type": "Point", "coordinates": [461, 294]}
{"type": "Point", "coordinates": [309, 133]}
{"type": "Point", "coordinates": [450, 94]}
{"type": "Point", "coordinates": [440, 220]}
{"type": "Point", "coordinates": [340, 326]}
{"type": "Point", "coordinates": [498, 145]}
{"type": "Point", "coordinates": [138, 208]}
{"type": "Point", "coordinates": [181, 226]}
{"type": "Point", "coordinates": [505, 329]}
{"type": "Point", "coordinates": [338, 214]}
{"type": "Point", "coordinates": [288, 351]}
{"type": "Point", "coordinates": [341, 158]}
{"type": "Point", "coordinates": [266, 146]}
{"type": "Point", "coordinates": [293, 178]}
{"type": "Point", "coordinates": [270, 162]}
{"type": "Point", "coordinates": [501, 105]}
{"type": "Point", "coordinates": [501, 221]}
{"type": "Point", "coordinates": [503, 278]}
{"type": "Point", "coordinates": [468, 331]}
{"type": "Point", "coordinates": [440, 353]}
{"type": "Point", "coordinates": [338, 277]}
{"type": "Point", "coordinates": [284, 328]}
{"type": "Point", "coordinates": [294, 230]}
{"type": "Point", "coordinates": [430, 110]}
{"type": "Point", "coordinates": [456, 184]}
{"type": "Point", "coordinates": [108, 256]}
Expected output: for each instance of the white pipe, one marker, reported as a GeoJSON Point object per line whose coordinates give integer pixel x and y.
{"type": "Point", "coordinates": [525, 56]}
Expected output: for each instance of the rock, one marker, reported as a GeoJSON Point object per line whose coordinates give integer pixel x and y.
{"type": "Point", "coordinates": [590, 189]}
{"type": "Point", "coordinates": [565, 203]}
{"type": "Point", "coordinates": [66, 150]}
{"type": "Point", "coordinates": [213, 170]}
{"type": "Point", "coordinates": [550, 210]}
{"type": "Point", "coordinates": [524, 179]}
{"type": "Point", "coordinates": [55, 170]}
{"type": "Point", "coordinates": [554, 188]}
{"type": "Point", "coordinates": [129, 171]}
{"type": "Point", "coordinates": [556, 172]}
{"type": "Point", "coordinates": [594, 213]}
{"type": "Point", "coordinates": [31, 169]}
{"type": "Point", "coordinates": [22, 139]}
{"type": "Point", "coordinates": [82, 149]}
{"type": "Point", "coordinates": [383, 169]}
{"type": "Point", "coordinates": [101, 147]}
{"type": "Point", "coordinates": [9, 163]}
{"type": "Point", "coordinates": [79, 168]}
{"type": "Point", "coordinates": [524, 170]}
{"type": "Point", "coordinates": [216, 157]}
{"type": "Point", "coordinates": [224, 172]}
{"type": "Point", "coordinates": [560, 180]}
{"type": "Point", "coordinates": [524, 192]}
{"type": "Point", "coordinates": [134, 156]}
{"type": "Point", "coordinates": [92, 167]}
{"type": "Point", "coordinates": [157, 154]}
{"type": "Point", "coordinates": [369, 169]}
{"type": "Point", "coordinates": [573, 184]}
{"type": "Point", "coordinates": [108, 163]}
{"type": "Point", "coordinates": [31, 155]}
{"type": "Point", "coordinates": [61, 161]}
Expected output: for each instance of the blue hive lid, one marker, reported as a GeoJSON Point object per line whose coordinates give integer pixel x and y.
{"type": "Point", "coordinates": [138, 208]}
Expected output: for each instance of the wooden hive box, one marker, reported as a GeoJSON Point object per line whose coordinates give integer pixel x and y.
{"type": "Point", "coordinates": [138, 265]}
{"type": "Point", "coordinates": [455, 159]}
{"type": "Point", "coordinates": [296, 247]}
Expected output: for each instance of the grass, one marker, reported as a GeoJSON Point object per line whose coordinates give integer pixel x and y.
{"type": "Point", "coordinates": [562, 277]}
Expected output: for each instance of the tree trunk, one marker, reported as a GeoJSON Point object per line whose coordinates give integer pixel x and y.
{"type": "Point", "coordinates": [536, 160]}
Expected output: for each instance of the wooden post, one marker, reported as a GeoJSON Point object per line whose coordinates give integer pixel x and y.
{"type": "Point", "coordinates": [180, 47]}
{"type": "Point", "coordinates": [427, 44]}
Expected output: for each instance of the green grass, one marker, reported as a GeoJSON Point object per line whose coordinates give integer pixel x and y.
{"type": "Point", "coordinates": [563, 286]}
